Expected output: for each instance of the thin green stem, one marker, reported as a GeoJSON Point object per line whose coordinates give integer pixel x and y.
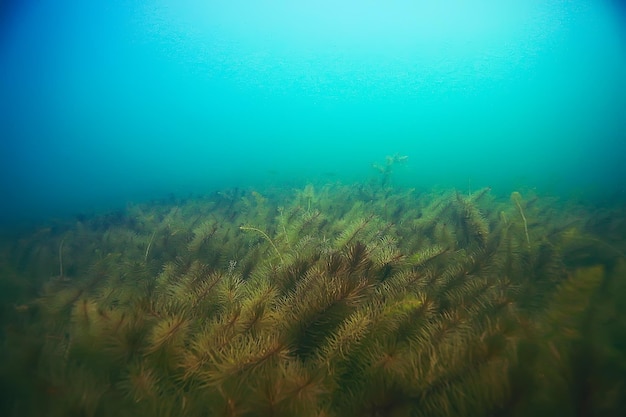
{"type": "Point", "coordinates": [266, 237]}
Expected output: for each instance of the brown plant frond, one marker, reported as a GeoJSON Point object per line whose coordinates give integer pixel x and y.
{"type": "Point", "coordinates": [465, 291]}
{"type": "Point", "coordinates": [83, 390]}
{"type": "Point", "coordinates": [169, 273]}
{"type": "Point", "coordinates": [125, 335]}
{"type": "Point", "coordinates": [351, 232]}
{"type": "Point", "coordinates": [572, 301]}
{"type": "Point", "coordinates": [201, 234]}
{"type": "Point", "coordinates": [230, 292]}
{"type": "Point", "coordinates": [88, 323]}
{"type": "Point", "coordinates": [243, 356]}
{"type": "Point", "coordinates": [205, 288]}
{"type": "Point", "coordinates": [425, 255]}
{"type": "Point", "coordinates": [197, 356]}
{"type": "Point", "coordinates": [473, 225]}
{"type": "Point", "coordinates": [389, 363]}
{"type": "Point", "coordinates": [357, 258]}
{"type": "Point", "coordinates": [302, 389]}
{"type": "Point", "coordinates": [167, 332]}
{"type": "Point", "coordinates": [346, 337]}
{"type": "Point", "coordinates": [55, 303]}
{"type": "Point", "coordinates": [256, 309]}
{"type": "Point", "coordinates": [305, 224]}
{"type": "Point", "coordinates": [140, 383]}
{"type": "Point", "coordinates": [404, 281]}
{"type": "Point", "coordinates": [385, 252]}
{"type": "Point", "coordinates": [334, 263]}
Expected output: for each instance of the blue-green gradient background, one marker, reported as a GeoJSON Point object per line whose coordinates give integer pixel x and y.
{"type": "Point", "coordinates": [102, 102]}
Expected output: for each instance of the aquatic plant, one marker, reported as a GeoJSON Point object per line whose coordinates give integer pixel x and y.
{"type": "Point", "coordinates": [516, 197]}
{"type": "Point", "coordinates": [265, 236]}
{"type": "Point", "coordinates": [333, 303]}
{"type": "Point", "coordinates": [386, 169]}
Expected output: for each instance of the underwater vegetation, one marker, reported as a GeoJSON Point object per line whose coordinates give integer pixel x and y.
{"type": "Point", "coordinates": [331, 300]}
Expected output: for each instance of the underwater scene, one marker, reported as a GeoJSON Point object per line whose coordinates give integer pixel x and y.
{"type": "Point", "coordinates": [319, 209]}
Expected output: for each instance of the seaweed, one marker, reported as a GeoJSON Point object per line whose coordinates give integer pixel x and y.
{"type": "Point", "coordinates": [329, 300]}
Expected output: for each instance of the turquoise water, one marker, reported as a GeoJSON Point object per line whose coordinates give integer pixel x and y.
{"type": "Point", "coordinates": [107, 102]}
